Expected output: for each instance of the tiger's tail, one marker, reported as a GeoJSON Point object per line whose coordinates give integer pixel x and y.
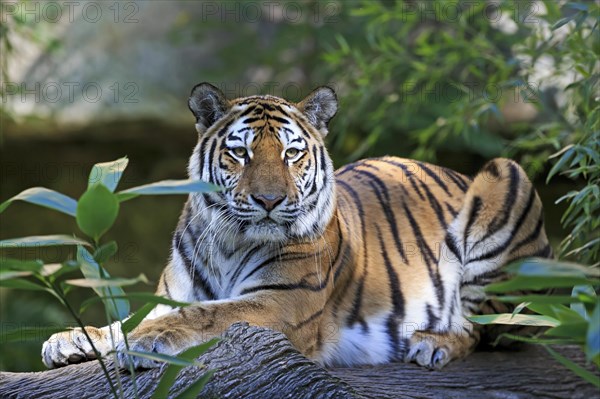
{"type": "Point", "coordinates": [501, 221]}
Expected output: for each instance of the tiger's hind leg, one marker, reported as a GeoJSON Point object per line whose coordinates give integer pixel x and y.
{"type": "Point", "coordinates": [501, 220]}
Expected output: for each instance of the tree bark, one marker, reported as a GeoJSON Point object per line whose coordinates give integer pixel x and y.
{"type": "Point", "coordinates": [252, 362]}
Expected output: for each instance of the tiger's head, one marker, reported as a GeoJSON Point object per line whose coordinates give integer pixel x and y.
{"type": "Point", "coordinates": [268, 155]}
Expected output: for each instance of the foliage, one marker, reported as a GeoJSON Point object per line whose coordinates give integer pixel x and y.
{"type": "Point", "coordinates": [509, 78]}
{"type": "Point", "coordinates": [572, 319]}
{"type": "Point", "coordinates": [95, 213]}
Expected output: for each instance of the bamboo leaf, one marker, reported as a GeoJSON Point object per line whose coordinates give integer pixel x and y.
{"type": "Point", "coordinates": [167, 187]}
{"type": "Point", "coordinates": [108, 173]}
{"type": "Point", "coordinates": [521, 319]}
{"type": "Point", "coordinates": [118, 308]}
{"type": "Point", "coordinates": [104, 253]}
{"type": "Point", "coordinates": [168, 378]}
{"type": "Point", "coordinates": [132, 322]}
{"type": "Point", "coordinates": [194, 390]}
{"type": "Point", "coordinates": [44, 197]}
{"type": "Point", "coordinates": [106, 282]}
{"type": "Point", "coordinates": [21, 284]}
{"type": "Point", "coordinates": [42, 241]}
{"type": "Point", "coordinates": [574, 367]}
{"type": "Point", "coordinates": [141, 296]}
{"type": "Point", "coordinates": [592, 344]}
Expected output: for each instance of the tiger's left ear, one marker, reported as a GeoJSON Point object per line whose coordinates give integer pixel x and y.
{"type": "Point", "coordinates": [319, 107]}
{"type": "Point", "coordinates": [208, 104]}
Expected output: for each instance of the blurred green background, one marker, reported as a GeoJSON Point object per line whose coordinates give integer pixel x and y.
{"type": "Point", "coordinates": [452, 82]}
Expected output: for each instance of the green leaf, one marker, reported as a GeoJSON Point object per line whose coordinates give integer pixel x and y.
{"type": "Point", "coordinates": [521, 319]}
{"type": "Point", "coordinates": [541, 267]}
{"type": "Point", "coordinates": [549, 299]}
{"type": "Point", "coordinates": [580, 292]}
{"type": "Point", "coordinates": [566, 154]}
{"type": "Point", "coordinates": [24, 334]}
{"type": "Point", "coordinates": [538, 274]}
{"type": "Point", "coordinates": [21, 284]}
{"type": "Point", "coordinates": [42, 241]}
{"type": "Point", "coordinates": [535, 340]}
{"type": "Point", "coordinates": [132, 322]}
{"type": "Point", "coordinates": [166, 187]}
{"type": "Point", "coordinates": [96, 211]}
{"type": "Point", "coordinates": [194, 390]}
{"type": "Point", "coordinates": [169, 376]}
{"type": "Point", "coordinates": [21, 265]}
{"type": "Point", "coordinates": [141, 296]}
{"type": "Point", "coordinates": [563, 21]}
{"type": "Point", "coordinates": [118, 308]}
{"type": "Point", "coordinates": [44, 197]}
{"type": "Point", "coordinates": [575, 331]}
{"type": "Point", "coordinates": [10, 275]}
{"type": "Point", "coordinates": [106, 282]}
{"type": "Point", "coordinates": [108, 173]}
{"type": "Point", "coordinates": [103, 253]}
{"type": "Point", "coordinates": [592, 345]}
{"type": "Point", "coordinates": [574, 367]}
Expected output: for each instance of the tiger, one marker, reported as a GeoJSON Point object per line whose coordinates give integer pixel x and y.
{"type": "Point", "coordinates": [382, 260]}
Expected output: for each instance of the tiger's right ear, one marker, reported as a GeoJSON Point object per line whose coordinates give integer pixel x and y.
{"type": "Point", "coordinates": [208, 104]}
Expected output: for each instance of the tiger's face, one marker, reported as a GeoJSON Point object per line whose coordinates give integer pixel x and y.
{"type": "Point", "coordinates": [268, 155]}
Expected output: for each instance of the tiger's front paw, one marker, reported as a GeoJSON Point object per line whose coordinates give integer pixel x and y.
{"type": "Point", "coordinates": [426, 350]}
{"type": "Point", "coordinates": [435, 350]}
{"type": "Point", "coordinates": [69, 347]}
{"type": "Point", "coordinates": [152, 338]}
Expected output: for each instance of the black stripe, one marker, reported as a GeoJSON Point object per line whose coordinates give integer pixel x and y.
{"type": "Point", "coordinates": [435, 177]}
{"type": "Point", "coordinates": [534, 235]}
{"type": "Point", "coordinates": [509, 202]}
{"type": "Point", "coordinates": [515, 230]}
{"type": "Point", "coordinates": [357, 301]}
{"type": "Point", "coordinates": [308, 320]}
{"type": "Point", "coordinates": [452, 211]}
{"type": "Point", "coordinates": [396, 298]}
{"type": "Point", "coordinates": [242, 264]}
{"type": "Point", "coordinates": [250, 120]}
{"type": "Point", "coordinates": [196, 275]}
{"type": "Point", "coordinates": [223, 130]}
{"type": "Point", "coordinates": [430, 259]}
{"type": "Point", "coordinates": [409, 174]}
{"type": "Point", "coordinates": [475, 208]}
{"type": "Point", "coordinates": [317, 166]}
{"type": "Point", "coordinates": [432, 319]}
{"type": "Point", "coordinates": [211, 153]}
{"type": "Point", "coordinates": [435, 205]}
{"type": "Point", "coordinates": [303, 284]}
{"type": "Point", "coordinates": [342, 260]}
{"type": "Point", "coordinates": [456, 179]}
{"type": "Point", "coordinates": [280, 258]}
{"type": "Point", "coordinates": [247, 111]}
{"type": "Point", "coordinates": [167, 290]}
{"type": "Point", "coordinates": [380, 190]}
{"type": "Point", "coordinates": [453, 246]}
{"type": "Point", "coordinates": [280, 120]}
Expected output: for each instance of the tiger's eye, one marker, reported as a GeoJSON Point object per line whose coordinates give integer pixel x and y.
{"type": "Point", "coordinates": [240, 152]}
{"type": "Point", "coordinates": [291, 152]}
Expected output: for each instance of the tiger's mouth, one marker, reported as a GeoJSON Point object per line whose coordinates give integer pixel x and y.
{"type": "Point", "coordinates": [265, 230]}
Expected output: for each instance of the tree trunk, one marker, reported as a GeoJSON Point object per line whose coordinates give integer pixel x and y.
{"type": "Point", "coordinates": [252, 362]}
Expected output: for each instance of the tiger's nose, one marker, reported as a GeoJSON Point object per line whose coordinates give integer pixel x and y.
{"type": "Point", "coordinates": [268, 201]}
